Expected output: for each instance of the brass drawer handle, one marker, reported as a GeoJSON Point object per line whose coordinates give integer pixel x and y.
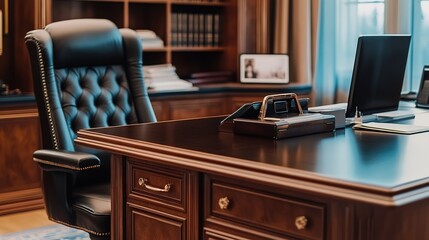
{"type": "Point", "coordinates": [143, 182]}
{"type": "Point", "coordinates": [301, 222]}
{"type": "Point", "coordinates": [223, 203]}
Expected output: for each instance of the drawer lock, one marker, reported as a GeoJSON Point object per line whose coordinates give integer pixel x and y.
{"type": "Point", "coordinates": [143, 182]}
{"type": "Point", "coordinates": [223, 203]}
{"type": "Point", "coordinates": [301, 222]}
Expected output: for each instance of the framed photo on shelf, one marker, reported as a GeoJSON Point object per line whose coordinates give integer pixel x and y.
{"type": "Point", "coordinates": [264, 68]}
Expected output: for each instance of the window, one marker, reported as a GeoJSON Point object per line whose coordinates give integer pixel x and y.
{"type": "Point", "coordinates": [342, 21]}
{"type": "Point", "coordinates": [355, 18]}
{"type": "Point", "coordinates": [420, 47]}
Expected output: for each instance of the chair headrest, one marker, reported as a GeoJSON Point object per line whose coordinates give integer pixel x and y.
{"type": "Point", "coordinates": [85, 42]}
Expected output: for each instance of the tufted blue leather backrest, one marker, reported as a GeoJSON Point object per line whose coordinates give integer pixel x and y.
{"type": "Point", "coordinates": [95, 97]}
{"type": "Point", "coordinates": [87, 73]}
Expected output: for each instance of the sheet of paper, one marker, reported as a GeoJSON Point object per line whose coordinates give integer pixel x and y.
{"type": "Point", "coordinates": [391, 127]}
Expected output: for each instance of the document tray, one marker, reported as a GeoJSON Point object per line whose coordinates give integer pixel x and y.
{"type": "Point", "coordinates": [304, 124]}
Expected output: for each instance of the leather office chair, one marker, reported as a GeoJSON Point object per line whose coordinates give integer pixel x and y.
{"type": "Point", "coordinates": [87, 73]}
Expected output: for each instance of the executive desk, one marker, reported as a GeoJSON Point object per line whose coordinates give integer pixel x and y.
{"type": "Point", "coordinates": [187, 180]}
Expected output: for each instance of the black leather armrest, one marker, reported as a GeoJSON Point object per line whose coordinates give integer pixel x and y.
{"type": "Point", "coordinates": [55, 160]}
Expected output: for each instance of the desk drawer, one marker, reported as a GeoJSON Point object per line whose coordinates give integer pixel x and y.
{"type": "Point", "coordinates": [267, 212]}
{"type": "Point", "coordinates": [158, 185]}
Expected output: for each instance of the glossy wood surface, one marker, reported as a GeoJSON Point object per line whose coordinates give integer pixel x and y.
{"type": "Point", "coordinates": [380, 168]}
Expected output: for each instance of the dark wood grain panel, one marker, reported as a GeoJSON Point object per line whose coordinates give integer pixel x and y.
{"type": "Point", "coordinates": [20, 181]}
{"type": "Point", "coordinates": [193, 109]}
{"type": "Point", "coordinates": [20, 137]}
{"type": "Point", "coordinates": [117, 191]}
{"type": "Point", "coordinates": [267, 211]}
{"type": "Point", "coordinates": [147, 225]}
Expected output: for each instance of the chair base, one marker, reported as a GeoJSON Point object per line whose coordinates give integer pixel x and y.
{"type": "Point", "coordinates": [95, 237]}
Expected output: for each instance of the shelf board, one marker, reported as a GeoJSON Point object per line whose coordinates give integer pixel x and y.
{"type": "Point", "coordinates": [149, 1]}
{"type": "Point", "coordinates": [154, 49]}
{"type": "Point", "coordinates": [113, 1]}
{"type": "Point", "coordinates": [197, 49]}
{"type": "Point", "coordinates": [174, 2]}
{"type": "Point", "coordinates": [196, 3]}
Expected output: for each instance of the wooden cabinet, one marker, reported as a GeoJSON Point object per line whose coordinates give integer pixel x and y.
{"type": "Point", "coordinates": [182, 108]}
{"type": "Point", "coordinates": [19, 17]}
{"type": "Point", "coordinates": [160, 202]}
{"type": "Point", "coordinates": [160, 16]}
{"type": "Point", "coordinates": [221, 99]}
{"type": "Point", "coordinates": [20, 182]}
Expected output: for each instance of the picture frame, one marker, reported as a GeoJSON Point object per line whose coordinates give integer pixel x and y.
{"type": "Point", "coordinates": [264, 68]}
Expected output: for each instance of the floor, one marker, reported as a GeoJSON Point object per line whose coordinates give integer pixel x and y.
{"type": "Point", "coordinates": [22, 221]}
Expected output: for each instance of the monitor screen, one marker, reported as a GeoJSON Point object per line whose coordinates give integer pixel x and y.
{"type": "Point", "coordinates": [378, 73]}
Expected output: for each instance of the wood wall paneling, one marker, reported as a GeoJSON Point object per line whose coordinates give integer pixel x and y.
{"type": "Point", "coordinates": [23, 19]}
{"type": "Point", "coordinates": [20, 179]}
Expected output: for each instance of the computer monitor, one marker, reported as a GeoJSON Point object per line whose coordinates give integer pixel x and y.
{"type": "Point", "coordinates": [378, 73]}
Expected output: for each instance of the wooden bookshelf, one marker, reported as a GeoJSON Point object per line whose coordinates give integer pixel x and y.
{"type": "Point", "coordinates": [157, 15]}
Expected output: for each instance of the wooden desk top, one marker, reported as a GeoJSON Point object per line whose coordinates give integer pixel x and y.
{"type": "Point", "coordinates": [381, 168]}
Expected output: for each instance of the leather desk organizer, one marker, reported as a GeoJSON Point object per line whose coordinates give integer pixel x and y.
{"type": "Point", "coordinates": [277, 116]}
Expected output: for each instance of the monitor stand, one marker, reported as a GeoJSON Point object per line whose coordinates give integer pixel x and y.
{"type": "Point", "coordinates": [391, 116]}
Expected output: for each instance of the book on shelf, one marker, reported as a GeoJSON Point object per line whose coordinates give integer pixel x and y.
{"type": "Point", "coordinates": [163, 77]}
{"type": "Point", "coordinates": [184, 21]}
{"type": "Point", "coordinates": [208, 31]}
{"type": "Point", "coordinates": [190, 29]}
{"type": "Point", "coordinates": [211, 74]}
{"type": "Point", "coordinates": [200, 78]}
{"type": "Point", "coordinates": [174, 29]}
{"type": "Point", "coordinates": [195, 29]}
{"type": "Point", "coordinates": [152, 43]}
{"type": "Point", "coordinates": [179, 29]}
{"type": "Point", "coordinates": [201, 32]}
{"type": "Point", "coordinates": [208, 80]}
{"type": "Point", "coordinates": [167, 67]}
{"type": "Point", "coordinates": [149, 39]}
{"type": "Point", "coordinates": [146, 33]}
{"type": "Point", "coordinates": [216, 30]}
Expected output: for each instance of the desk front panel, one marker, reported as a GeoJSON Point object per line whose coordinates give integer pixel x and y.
{"type": "Point", "coordinates": [259, 212]}
{"type": "Point", "coordinates": [161, 202]}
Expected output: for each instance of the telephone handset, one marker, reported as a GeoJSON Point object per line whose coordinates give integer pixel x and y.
{"type": "Point", "coordinates": [423, 93]}
{"type": "Point", "coordinates": [275, 108]}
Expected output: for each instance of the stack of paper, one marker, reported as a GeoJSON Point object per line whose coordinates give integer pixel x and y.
{"type": "Point", "coordinates": [163, 77]}
{"type": "Point", "coordinates": [391, 127]}
{"type": "Point", "coordinates": [150, 39]}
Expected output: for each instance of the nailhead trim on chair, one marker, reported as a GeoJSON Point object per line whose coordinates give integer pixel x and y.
{"type": "Point", "coordinates": [45, 93]}
{"type": "Point", "coordinates": [65, 166]}
{"type": "Point", "coordinates": [48, 106]}
{"type": "Point", "coordinates": [81, 228]}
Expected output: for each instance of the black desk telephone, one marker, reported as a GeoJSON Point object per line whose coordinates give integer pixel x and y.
{"type": "Point", "coordinates": [277, 116]}
{"type": "Point", "coordinates": [423, 94]}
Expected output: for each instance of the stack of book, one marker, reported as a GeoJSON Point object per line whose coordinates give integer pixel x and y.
{"type": "Point", "coordinates": [163, 77]}
{"type": "Point", "coordinates": [150, 39]}
{"type": "Point", "coordinates": [200, 78]}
